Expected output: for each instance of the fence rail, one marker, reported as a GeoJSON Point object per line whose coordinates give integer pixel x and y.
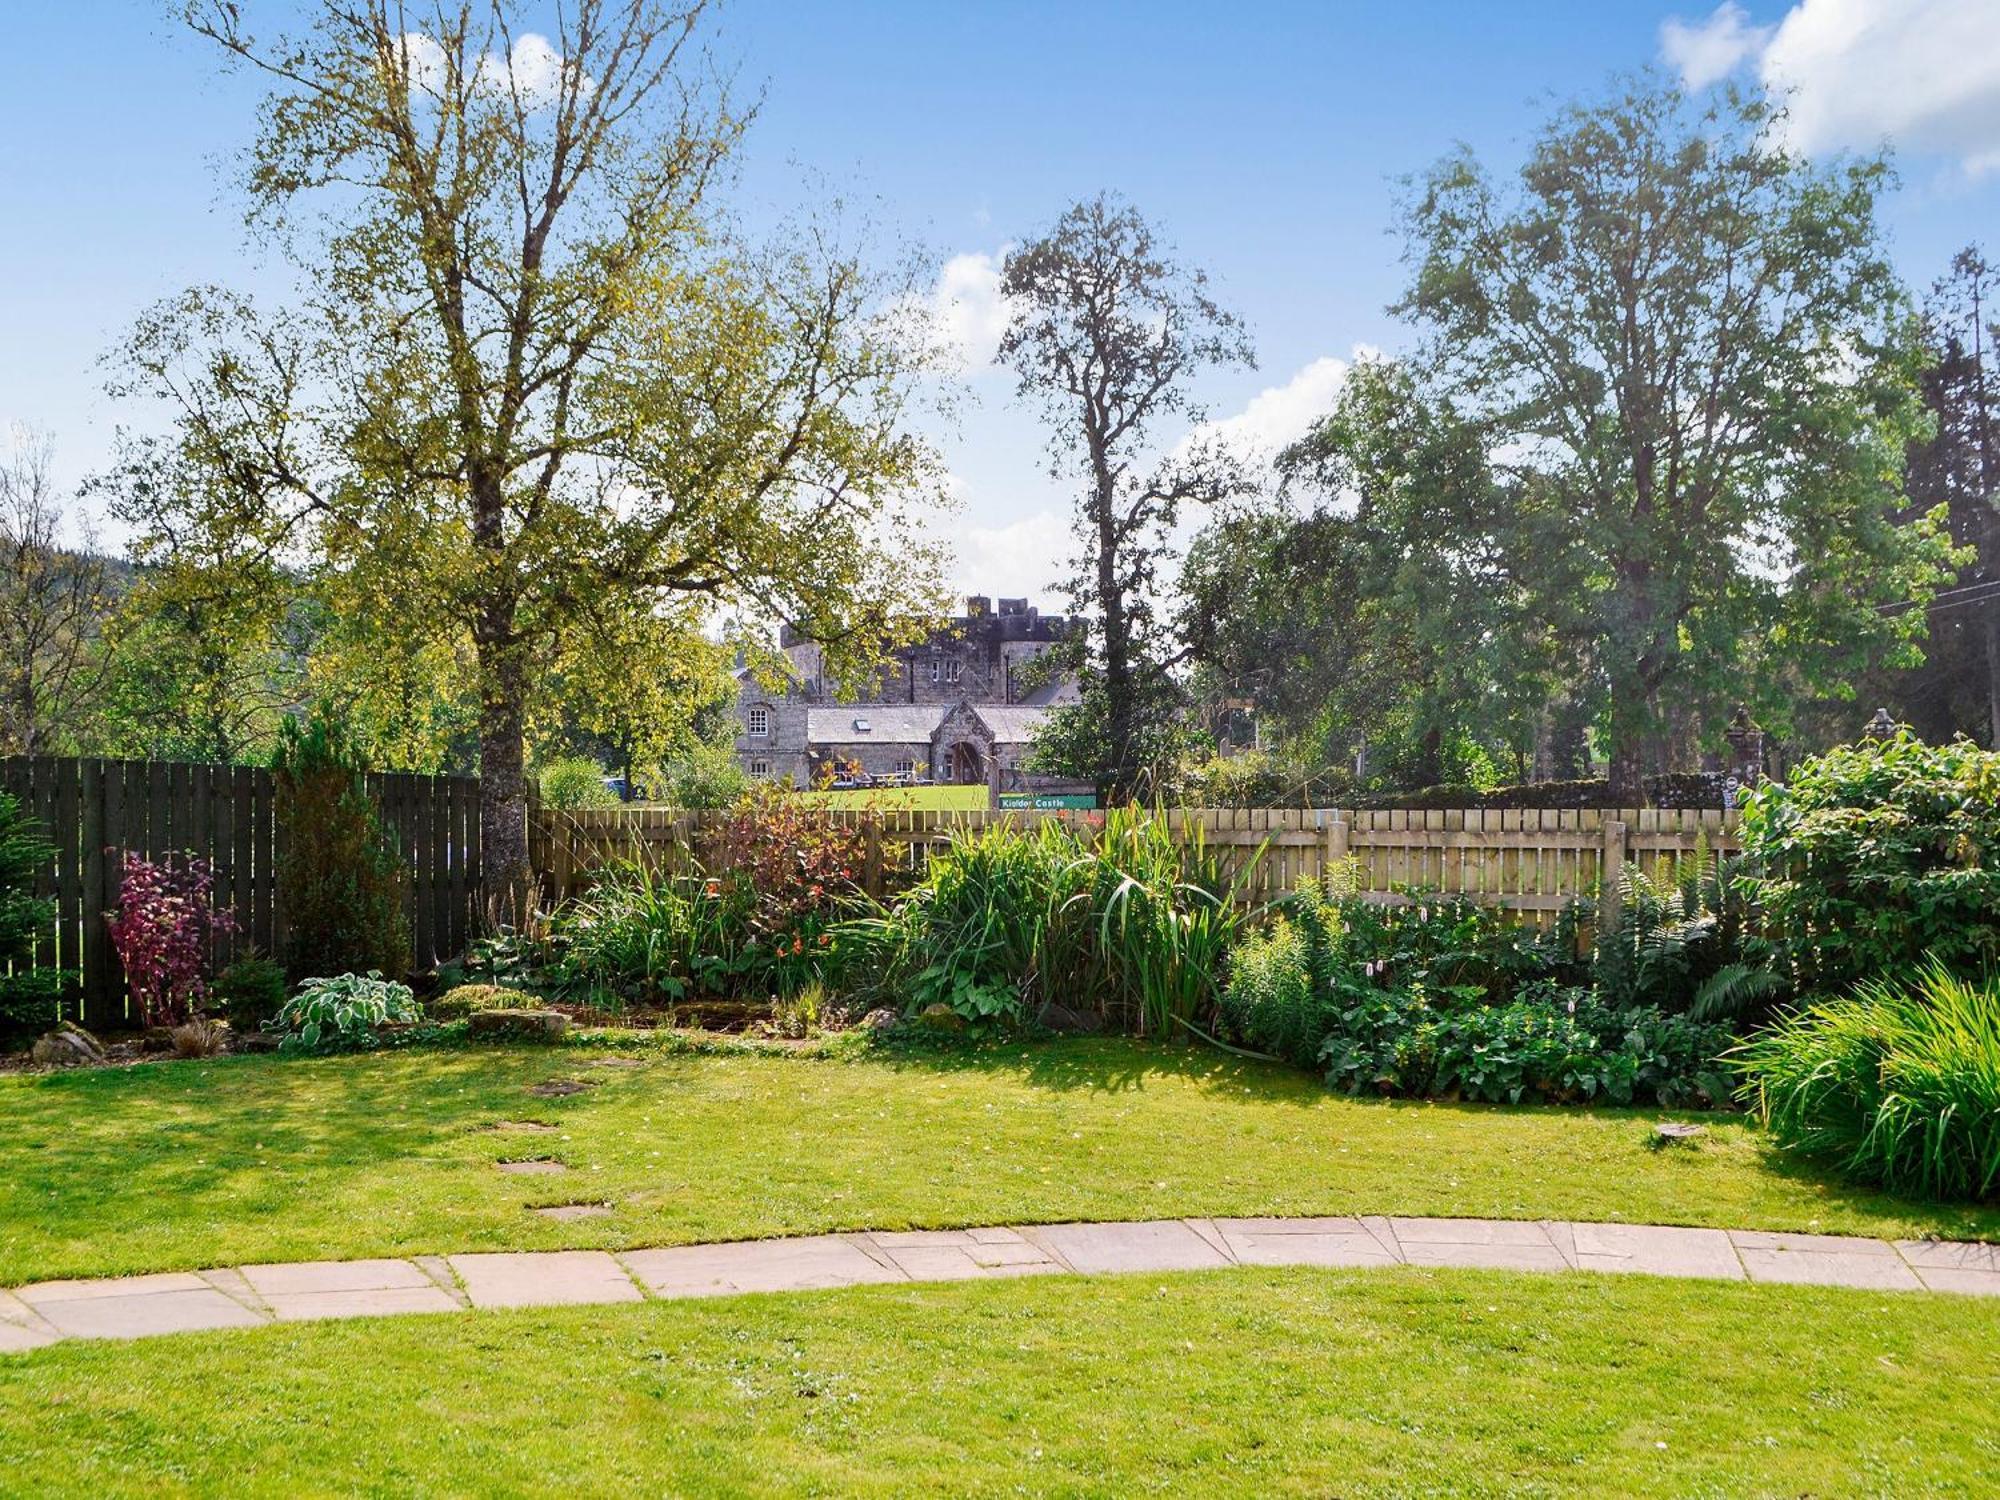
{"type": "Point", "coordinates": [94, 810]}
{"type": "Point", "coordinates": [1531, 861]}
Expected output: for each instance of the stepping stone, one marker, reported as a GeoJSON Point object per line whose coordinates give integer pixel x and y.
{"type": "Point", "coordinates": [1494, 1244]}
{"type": "Point", "coordinates": [563, 1213]}
{"type": "Point", "coordinates": [540, 1167]}
{"type": "Point", "coordinates": [130, 1307]}
{"type": "Point", "coordinates": [813, 1263]}
{"type": "Point", "coordinates": [616, 1062]}
{"type": "Point", "coordinates": [547, 1279]}
{"type": "Point", "coordinates": [1656, 1251]}
{"type": "Point", "coordinates": [558, 1088]}
{"type": "Point", "coordinates": [1824, 1260]}
{"type": "Point", "coordinates": [1162, 1245]}
{"type": "Point", "coordinates": [347, 1289]}
{"type": "Point", "coordinates": [522, 1127]}
{"type": "Point", "coordinates": [1303, 1242]}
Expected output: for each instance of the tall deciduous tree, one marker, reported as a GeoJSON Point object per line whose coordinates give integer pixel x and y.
{"type": "Point", "coordinates": [1106, 334]}
{"type": "Point", "coordinates": [1690, 341]}
{"type": "Point", "coordinates": [54, 594]}
{"type": "Point", "coordinates": [528, 357]}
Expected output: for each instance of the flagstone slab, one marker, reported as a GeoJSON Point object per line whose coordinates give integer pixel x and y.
{"type": "Point", "coordinates": [1823, 1260]}
{"type": "Point", "coordinates": [537, 1168]}
{"type": "Point", "coordinates": [1303, 1242]}
{"type": "Point", "coordinates": [347, 1289]}
{"type": "Point", "coordinates": [19, 1338]}
{"type": "Point", "coordinates": [1949, 1255]}
{"type": "Point", "coordinates": [364, 1302]}
{"type": "Point", "coordinates": [112, 1286]}
{"type": "Point", "coordinates": [549, 1278]}
{"type": "Point", "coordinates": [1158, 1245]}
{"type": "Point", "coordinates": [143, 1314]}
{"type": "Point", "coordinates": [955, 1255]}
{"type": "Point", "coordinates": [1945, 1279]}
{"type": "Point", "coordinates": [1491, 1244]}
{"type": "Point", "coordinates": [564, 1213]}
{"type": "Point", "coordinates": [812, 1263]}
{"type": "Point", "coordinates": [1655, 1250]}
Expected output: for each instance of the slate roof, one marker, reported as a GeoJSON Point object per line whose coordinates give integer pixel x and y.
{"type": "Point", "coordinates": [888, 723]}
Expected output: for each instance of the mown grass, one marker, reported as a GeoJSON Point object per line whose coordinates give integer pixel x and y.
{"type": "Point", "coordinates": [1241, 1382]}
{"type": "Point", "coordinates": [200, 1163]}
{"type": "Point", "coordinates": [917, 798]}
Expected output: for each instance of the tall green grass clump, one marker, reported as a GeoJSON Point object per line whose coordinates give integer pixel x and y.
{"type": "Point", "coordinates": [1897, 1085]}
{"type": "Point", "coordinates": [1114, 918]}
{"type": "Point", "coordinates": [648, 936]}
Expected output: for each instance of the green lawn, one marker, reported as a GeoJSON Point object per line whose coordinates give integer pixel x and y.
{"type": "Point", "coordinates": [191, 1164]}
{"type": "Point", "coordinates": [1237, 1382]}
{"type": "Point", "coordinates": [920, 798]}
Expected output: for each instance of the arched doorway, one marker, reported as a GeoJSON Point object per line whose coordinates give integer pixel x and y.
{"type": "Point", "coordinates": [966, 765]}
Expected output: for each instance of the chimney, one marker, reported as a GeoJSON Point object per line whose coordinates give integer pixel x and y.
{"type": "Point", "coordinates": [978, 606]}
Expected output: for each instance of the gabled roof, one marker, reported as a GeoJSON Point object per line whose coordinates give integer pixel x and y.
{"type": "Point", "coordinates": [888, 723]}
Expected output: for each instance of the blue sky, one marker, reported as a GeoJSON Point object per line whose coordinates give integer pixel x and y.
{"type": "Point", "coordinates": [1265, 137]}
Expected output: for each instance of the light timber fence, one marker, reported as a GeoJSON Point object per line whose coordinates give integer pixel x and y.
{"type": "Point", "coordinates": [94, 810]}
{"type": "Point", "coordinates": [1528, 861]}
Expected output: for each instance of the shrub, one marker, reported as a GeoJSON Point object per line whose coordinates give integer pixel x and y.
{"type": "Point", "coordinates": [250, 992]}
{"type": "Point", "coordinates": [341, 1014]}
{"type": "Point", "coordinates": [575, 782]}
{"type": "Point", "coordinates": [162, 931]}
{"type": "Point", "coordinates": [1684, 942]}
{"type": "Point", "coordinates": [340, 880]}
{"type": "Point", "coordinates": [648, 936]}
{"type": "Point", "coordinates": [707, 777]}
{"type": "Point", "coordinates": [200, 1037]}
{"type": "Point", "coordinates": [30, 998]}
{"type": "Point", "coordinates": [1113, 915]}
{"type": "Point", "coordinates": [1898, 1085]}
{"type": "Point", "coordinates": [792, 870]}
{"type": "Point", "coordinates": [1876, 855]}
{"type": "Point", "coordinates": [460, 1001]}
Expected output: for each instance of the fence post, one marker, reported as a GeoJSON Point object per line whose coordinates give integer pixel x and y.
{"type": "Point", "coordinates": [871, 857]}
{"type": "Point", "coordinates": [1611, 875]}
{"type": "Point", "coordinates": [1335, 855]}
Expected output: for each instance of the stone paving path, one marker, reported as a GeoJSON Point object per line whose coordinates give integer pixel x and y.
{"type": "Point", "coordinates": [246, 1296]}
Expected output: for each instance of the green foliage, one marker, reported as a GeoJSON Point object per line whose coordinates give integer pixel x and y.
{"type": "Point", "coordinates": [1898, 1085]}
{"type": "Point", "coordinates": [341, 1014]}
{"type": "Point", "coordinates": [1270, 1002]}
{"type": "Point", "coordinates": [341, 879]}
{"type": "Point", "coordinates": [705, 777]}
{"type": "Point", "coordinates": [1684, 941]}
{"type": "Point", "coordinates": [650, 937]}
{"type": "Point", "coordinates": [250, 992]}
{"type": "Point", "coordinates": [1873, 856]}
{"type": "Point", "coordinates": [461, 1000]}
{"type": "Point", "coordinates": [30, 997]}
{"type": "Point", "coordinates": [1111, 915]}
{"type": "Point", "coordinates": [575, 782]}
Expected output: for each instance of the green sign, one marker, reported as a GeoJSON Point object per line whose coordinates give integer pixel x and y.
{"type": "Point", "coordinates": [1047, 801]}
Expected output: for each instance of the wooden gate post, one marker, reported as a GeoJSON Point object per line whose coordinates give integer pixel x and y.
{"type": "Point", "coordinates": [1334, 856]}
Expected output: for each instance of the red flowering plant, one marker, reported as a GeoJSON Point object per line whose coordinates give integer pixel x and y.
{"type": "Point", "coordinates": [163, 930]}
{"type": "Point", "coordinates": [796, 869]}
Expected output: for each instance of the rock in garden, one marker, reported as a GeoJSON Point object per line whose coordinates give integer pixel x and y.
{"type": "Point", "coordinates": [68, 1046]}
{"type": "Point", "coordinates": [941, 1017]}
{"type": "Point", "coordinates": [518, 1025]}
{"type": "Point", "coordinates": [881, 1020]}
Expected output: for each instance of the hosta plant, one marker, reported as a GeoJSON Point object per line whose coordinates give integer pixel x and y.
{"type": "Point", "coordinates": [341, 1014]}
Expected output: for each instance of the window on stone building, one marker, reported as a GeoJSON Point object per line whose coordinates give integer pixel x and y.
{"type": "Point", "coordinates": [761, 769]}
{"type": "Point", "coordinates": [952, 669]}
{"type": "Point", "coordinates": [758, 719]}
{"type": "Point", "coordinates": [937, 669]}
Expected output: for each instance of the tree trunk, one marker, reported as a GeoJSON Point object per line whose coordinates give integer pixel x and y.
{"type": "Point", "coordinates": [1993, 671]}
{"type": "Point", "coordinates": [507, 877]}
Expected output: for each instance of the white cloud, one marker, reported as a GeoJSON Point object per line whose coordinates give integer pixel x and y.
{"type": "Point", "coordinates": [1020, 559]}
{"type": "Point", "coordinates": [965, 310]}
{"type": "Point", "coordinates": [1278, 415]}
{"type": "Point", "coordinates": [1921, 75]}
{"type": "Point", "coordinates": [1704, 52]}
{"type": "Point", "coordinates": [534, 66]}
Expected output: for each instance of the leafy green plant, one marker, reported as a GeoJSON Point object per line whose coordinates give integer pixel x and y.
{"type": "Point", "coordinates": [644, 935]}
{"type": "Point", "coordinates": [460, 1001]}
{"type": "Point", "coordinates": [250, 992]}
{"type": "Point", "coordinates": [1874, 857]}
{"type": "Point", "coordinates": [341, 1014]}
{"type": "Point", "coordinates": [1685, 942]}
{"type": "Point", "coordinates": [30, 997]}
{"type": "Point", "coordinates": [1898, 1085]}
{"type": "Point", "coordinates": [340, 879]}
{"type": "Point", "coordinates": [575, 782]}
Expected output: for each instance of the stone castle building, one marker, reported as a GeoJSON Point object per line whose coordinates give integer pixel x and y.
{"type": "Point", "coordinates": [959, 707]}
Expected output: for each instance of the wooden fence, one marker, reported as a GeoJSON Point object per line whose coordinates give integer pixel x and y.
{"type": "Point", "coordinates": [93, 810]}
{"type": "Point", "coordinates": [1530, 861]}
